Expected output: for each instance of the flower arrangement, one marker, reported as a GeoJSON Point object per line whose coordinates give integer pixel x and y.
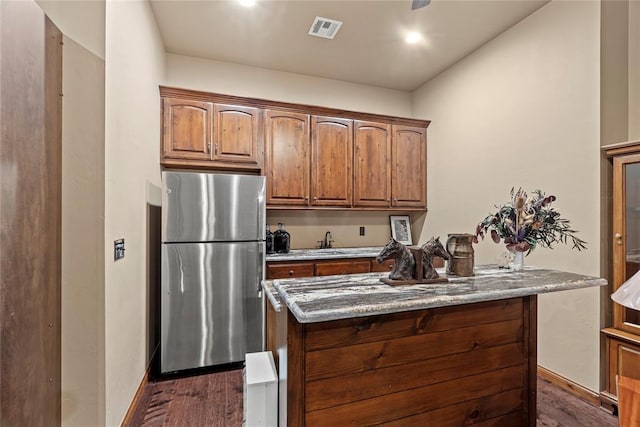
{"type": "Point", "coordinates": [528, 221]}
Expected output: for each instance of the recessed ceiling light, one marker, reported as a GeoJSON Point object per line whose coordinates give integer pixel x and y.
{"type": "Point", "coordinates": [413, 37]}
{"type": "Point", "coordinates": [247, 3]}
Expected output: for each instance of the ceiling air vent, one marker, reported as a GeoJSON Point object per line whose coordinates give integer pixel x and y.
{"type": "Point", "coordinates": [324, 27]}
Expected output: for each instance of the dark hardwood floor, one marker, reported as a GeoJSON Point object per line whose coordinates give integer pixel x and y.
{"type": "Point", "coordinates": [216, 400]}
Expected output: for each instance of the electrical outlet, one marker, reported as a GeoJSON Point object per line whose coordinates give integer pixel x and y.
{"type": "Point", "coordinates": [118, 249]}
{"type": "Point", "coordinates": [362, 231]}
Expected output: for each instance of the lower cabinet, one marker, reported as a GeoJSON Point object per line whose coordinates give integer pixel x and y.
{"type": "Point", "coordinates": [342, 267]}
{"type": "Point", "coordinates": [623, 358]}
{"type": "Point", "coordinates": [328, 267]}
{"type": "Point", "coordinates": [289, 269]}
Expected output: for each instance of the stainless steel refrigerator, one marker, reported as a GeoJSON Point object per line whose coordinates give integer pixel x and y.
{"type": "Point", "coordinates": [211, 305]}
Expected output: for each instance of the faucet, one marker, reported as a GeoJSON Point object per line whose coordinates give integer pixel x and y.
{"type": "Point", "coordinates": [326, 243]}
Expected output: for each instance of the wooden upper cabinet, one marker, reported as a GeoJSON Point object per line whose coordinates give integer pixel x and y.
{"type": "Point", "coordinates": [287, 158]}
{"type": "Point", "coordinates": [331, 160]}
{"type": "Point", "coordinates": [236, 133]}
{"type": "Point", "coordinates": [186, 129]}
{"type": "Point", "coordinates": [371, 164]}
{"type": "Point", "coordinates": [408, 167]}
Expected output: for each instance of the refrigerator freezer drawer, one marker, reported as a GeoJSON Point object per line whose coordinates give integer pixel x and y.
{"type": "Point", "coordinates": [205, 207]}
{"type": "Point", "coordinates": [212, 309]}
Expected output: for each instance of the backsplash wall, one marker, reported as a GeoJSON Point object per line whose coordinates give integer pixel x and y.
{"type": "Point", "coordinates": [308, 227]}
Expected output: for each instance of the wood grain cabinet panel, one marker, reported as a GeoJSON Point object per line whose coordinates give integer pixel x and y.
{"type": "Point", "coordinates": [331, 160]}
{"type": "Point", "coordinates": [342, 267]}
{"type": "Point", "coordinates": [286, 270]}
{"type": "Point", "coordinates": [386, 265]}
{"type": "Point", "coordinates": [371, 164]}
{"type": "Point", "coordinates": [237, 130]}
{"type": "Point", "coordinates": [459, 365]}
{"type": "Point", "coordinates": [287, 164]}
{"type": "Point", "coordinates": [408, 167]}
{"type": "Point", "coordinates": [623, 358]}
{"type": "Point", "coordinates": [186, 129]}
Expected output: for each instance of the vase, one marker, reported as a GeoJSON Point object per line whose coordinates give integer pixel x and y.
{"type": "Point", "coordinates": [518, 261]}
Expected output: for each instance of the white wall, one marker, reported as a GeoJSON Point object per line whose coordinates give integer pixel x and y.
{"type": "Point", "coordinates": [523, 110]}
{"type": "Point", "coordinates": [233, 79]}
{"type": "Point", "coordinates": [83, 381]}
{"type": "Point", "coordinates": [80, 20]}
{"type": "Point", "coordinates": [134, 68]}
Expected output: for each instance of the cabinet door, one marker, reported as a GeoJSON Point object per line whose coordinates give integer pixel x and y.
{"type": "Point", "coordinates": [626, 234]}
{"type": "Point", "coordinates": [408, 167]}
{"type": "Point", "coordinates": [287, 158]}
{"type": "Point", "coordinates": [329, 268]}
{"type": "Point", "coordinates": [186, 129]}
{"type": "Point", "coordinates": [236, 132]}
{"type": "Point", "coordinates": [623, 358]}
{"type": "Point", "coordinates": [331, 158]}
{"type": "Point", "coordinates": [371, 171]}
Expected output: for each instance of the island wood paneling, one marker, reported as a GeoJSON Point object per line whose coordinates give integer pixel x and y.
{"type": "Point", "coordinates": [30, 216]}
{"type": "Point", "coordinates": [454, 365]}
{"type": "Point", "coordinates": [376, 328]}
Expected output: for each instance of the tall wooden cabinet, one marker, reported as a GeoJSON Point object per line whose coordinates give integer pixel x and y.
{"type": "Point", "coordinates": [408, 167]}
{"type": "Point", "coordinates": [371, 164]}
{"type": "Point", "coordinates": [237, 132]}
{"type": "Point", "coordinates": [287, 166]}
{"type": "Point", "coordinates": [623, 338]}
{"type": "Point", "coordinates": [331, 160]}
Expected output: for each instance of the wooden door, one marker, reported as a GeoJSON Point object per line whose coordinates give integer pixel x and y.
{"type": "Point", "coordinates": [30, 196]}
{"type": "Point", "coordinates": [236, 133]}
{"type": "Point", "coordinates": [408, 167]}
{"type": "Point", "coordinates": [371, 160]}
{"type": "Point", "coordinates": [186, 129]}
{"type": "Point", "coordinates": [331, 159]}
{"type": "Point", "coordinates": [287, 158]}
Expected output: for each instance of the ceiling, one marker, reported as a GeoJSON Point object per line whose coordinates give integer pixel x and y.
{"type": "Point", "coordinates": [368, 49]}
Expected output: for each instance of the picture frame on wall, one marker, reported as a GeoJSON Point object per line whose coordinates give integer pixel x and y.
{"type": "Point", "coordinates": [401, 228]}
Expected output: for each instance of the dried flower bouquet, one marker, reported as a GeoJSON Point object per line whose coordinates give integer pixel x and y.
{"type": "Point", "coordinates": [528, 221]}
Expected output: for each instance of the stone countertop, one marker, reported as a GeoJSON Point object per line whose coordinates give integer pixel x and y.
{"type": "Point", "coordinates": [332, 253]}
{"type": "Point", "coordinates": [321, 299]}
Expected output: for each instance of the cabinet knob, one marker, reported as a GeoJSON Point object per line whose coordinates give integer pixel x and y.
{"type": "Point", "coordinates": [290, 272]}
{"type": "Point", "coordinates": [390, 266]}
{"type": "Point", "coordinates": [618, 238]}
{"type": "Point", "coordinates": [315, 198]}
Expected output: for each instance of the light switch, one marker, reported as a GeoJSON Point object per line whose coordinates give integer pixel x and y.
{"type": "Point", "coordinates": [118, 249]}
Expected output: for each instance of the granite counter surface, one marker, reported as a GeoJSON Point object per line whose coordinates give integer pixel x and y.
{"type": "Point", "coordinates": [331, 253]}
{"type": "Point", "coordinates": [321, 299]}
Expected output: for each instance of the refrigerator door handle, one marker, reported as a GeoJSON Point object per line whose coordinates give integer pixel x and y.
{"type": "Point", "coordinates": [260, 218]}
{"type": "Point", "coordinates": [260, 268]}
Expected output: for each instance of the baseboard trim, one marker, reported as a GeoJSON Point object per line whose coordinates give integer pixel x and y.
{"type": "Point", "coordinates": [569, 386]}
{"type": "Point", "coordinates": [128, 418]}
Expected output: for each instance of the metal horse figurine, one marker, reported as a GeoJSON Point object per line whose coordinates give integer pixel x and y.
{"type": "Point", "coordinates": [429, 250]}
{"type": "Point", "coordinates": [405, 263]}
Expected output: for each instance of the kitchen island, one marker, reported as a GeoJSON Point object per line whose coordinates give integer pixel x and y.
{"type": "Point", "coordinates": [352, 350]}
